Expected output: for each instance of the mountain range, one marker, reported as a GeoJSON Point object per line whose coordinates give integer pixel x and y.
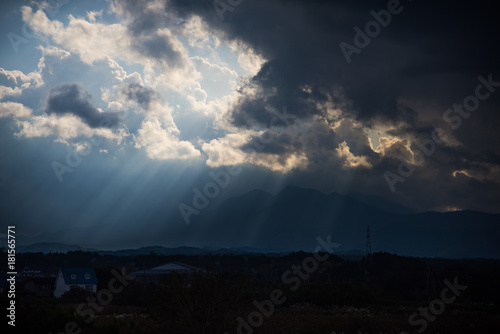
{"type": "Point", "coordinates": [294, 218]}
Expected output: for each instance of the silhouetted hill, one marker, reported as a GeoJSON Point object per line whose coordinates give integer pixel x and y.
{"type": "Point", "coordinates": [50, 247]}
{"type": "Point", "coordinates": [189, 251]}
{"type": "Point", "coordinates": [295, 217]}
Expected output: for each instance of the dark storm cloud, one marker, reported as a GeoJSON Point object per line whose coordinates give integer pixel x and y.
{"type": "Point", "coordinates": [272, 143]}
{"type": "Point", "coordinates": [140, 94]}
{"type": "Point", "coordinates": [142, 20]}
{"type": "Point", "coordinates": [144, 24]}
{"type": "Point", "coordinates": [301, 40]}
{"type": "Point", "coordinates": [160, 47]}
{"type": "Point", "coordinates": [70, 98]}
{"type": "Point", "coordinates": [426, 59]}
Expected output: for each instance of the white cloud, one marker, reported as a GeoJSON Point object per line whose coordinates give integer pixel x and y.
{"type": "Point", "coordinates": [350, 160]}
{"type": "Point", "coordinates": [93, 15]}
{"type": "Point", "coordinates": [161, 143]}
{"type": "Point", "coordinates": [9, 91]}
{"type": "Point", "coordinates": [162, 55]}
{"type": "Point", "coordinates": [20, 80]}
{"type": "Point", "coordinates": [248, 59]}
{"type": "Point", "coordinates": [65, 127]}
{"type": "Point", "coordinates": [395, 147]}
{"type": "Point", "coordinates": [92, 41]}
{"type": "Point", "coordinates": [14, 109]}
{"type": "Point", "coordinates": [226, 151]}
{"type": "Point", "coordinates": [197, 32]}
{"type": "Point", "coordinates": [208, 86]}
{"type": "Point", "coordinates": [82, 147]}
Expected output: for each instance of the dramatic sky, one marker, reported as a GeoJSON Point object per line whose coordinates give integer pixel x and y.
{"type": "Point", "coordinates": [112, 112]}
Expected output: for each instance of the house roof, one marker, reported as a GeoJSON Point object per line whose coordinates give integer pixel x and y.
{"type": "Point", "coordinates": [79, 276]}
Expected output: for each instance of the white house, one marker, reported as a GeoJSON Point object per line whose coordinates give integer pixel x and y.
{"type": "Point", "coordinates": [70, 278]}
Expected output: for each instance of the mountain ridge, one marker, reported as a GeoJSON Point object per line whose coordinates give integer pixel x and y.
{"type": "Point", "coordinates": [295, 217]}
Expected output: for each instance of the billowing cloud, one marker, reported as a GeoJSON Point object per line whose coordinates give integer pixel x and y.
{"type": "Point", "coordinates": [350, 160]}
{"type": "Point", "coordinates": [14, 109]}
{"type": "Point", "coordinates": [70, 98]}
{"type": "Point", "coordinates": [158, 50]}
{"type": "Point", "coordinates": [250, 148]}
{"type": "Point", "coordinates": [158, 133]}
{"type": "Point", "coordinates": [400, 81]}
{"type": "Point", "coordinates": [214, 91]}
{"type": "Point", "coordinates": [19, 80]}
{"type": "Point", "coordinates": [162, 144]}
{"type": "Point", "coordinates": [66, 126]}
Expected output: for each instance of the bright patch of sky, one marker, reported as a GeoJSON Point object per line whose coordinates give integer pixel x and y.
{"type": "Point", "coordinates": [45, 40]}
